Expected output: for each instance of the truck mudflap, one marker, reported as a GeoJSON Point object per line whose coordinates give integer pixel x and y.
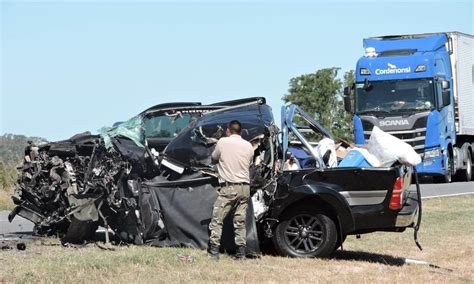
{"type": "Point", "coordinates": [409, 212]}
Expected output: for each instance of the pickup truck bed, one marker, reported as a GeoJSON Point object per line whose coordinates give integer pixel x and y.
{"type": "Point", "coordinates": [368, 192]}
{"type": "Point", "coordinates": [357, 200]}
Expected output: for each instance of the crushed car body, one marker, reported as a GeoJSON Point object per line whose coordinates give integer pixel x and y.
{"type": "Point", "coordinates": [150, 181]}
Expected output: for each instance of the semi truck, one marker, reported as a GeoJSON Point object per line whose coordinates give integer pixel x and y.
{"type": "Point", "coordinates": [419, 88]}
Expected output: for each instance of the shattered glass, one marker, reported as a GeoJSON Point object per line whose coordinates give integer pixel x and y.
{"type": "Point", "coordinates": [131, 129]}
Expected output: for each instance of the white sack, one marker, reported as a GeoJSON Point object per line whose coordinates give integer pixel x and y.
{"type": "Point", "coordinates": [323, 146]}
{"type": "Point", "coordinates": [388, 149]}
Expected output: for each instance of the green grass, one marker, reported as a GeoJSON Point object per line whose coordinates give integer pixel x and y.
{"type": "Point", "coordinates": [446, 235]}
{"type": "Point", "coordinates": [6, 202]}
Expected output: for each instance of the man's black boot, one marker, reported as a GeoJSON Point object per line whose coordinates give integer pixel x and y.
{"type": "Point", "coordinates": [213, 252]}
{"type": "Point", "coordinates": [240, 254]}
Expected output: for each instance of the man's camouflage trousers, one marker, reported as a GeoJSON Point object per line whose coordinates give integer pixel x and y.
{"type": "Point", "coordinates": [231, 199]}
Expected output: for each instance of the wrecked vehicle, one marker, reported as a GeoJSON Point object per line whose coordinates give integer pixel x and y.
{"type": "Point", "coordinates": [151, 181]}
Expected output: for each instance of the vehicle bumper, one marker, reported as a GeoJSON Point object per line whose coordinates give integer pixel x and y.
{"type": "Point", "coordinates": [431, 166]}
{"type": "Point", "coordinates": [409, 213]}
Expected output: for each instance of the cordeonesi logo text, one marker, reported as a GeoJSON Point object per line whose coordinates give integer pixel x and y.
{"type": "Point", "coordinates": [392, 69]}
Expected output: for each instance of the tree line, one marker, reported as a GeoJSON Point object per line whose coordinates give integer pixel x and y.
{"type": "Point", "coordinates": [320, 94]}
{"type": "Point", "coordinates": [11, 155]}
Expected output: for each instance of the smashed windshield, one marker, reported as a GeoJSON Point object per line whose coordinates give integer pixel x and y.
{"type": "Point", "coordinates": [161, 125]}
{"type": "Point", "coordinates": [167, 125]}
{"type": "Point", "coordinates": [394, 96]}
{"type": "Point", "coordinates": [131, 129]}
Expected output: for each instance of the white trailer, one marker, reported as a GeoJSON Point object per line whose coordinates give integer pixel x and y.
{"type": "Point", "coordinates": [461, 47]}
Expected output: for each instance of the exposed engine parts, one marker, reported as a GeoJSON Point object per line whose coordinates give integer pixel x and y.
{"type": "Point", "coordinates": [119, 179]}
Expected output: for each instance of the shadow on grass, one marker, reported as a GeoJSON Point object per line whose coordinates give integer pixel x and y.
{"type": "Point", "coordinates": [369, 257]}
{"type": "Point", "coordinates": [268, 249]}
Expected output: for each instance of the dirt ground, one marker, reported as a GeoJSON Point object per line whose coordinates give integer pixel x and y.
{"type": "Point", "coordinates": [447, 235]}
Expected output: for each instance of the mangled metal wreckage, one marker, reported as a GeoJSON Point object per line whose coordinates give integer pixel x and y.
{"type": "Point", "coordinates": [129, 179]}
{"type": "Point", "coordinates": [150, 180]}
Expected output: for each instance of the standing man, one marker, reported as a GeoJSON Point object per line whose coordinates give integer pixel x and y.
{"type": "Point", "coordinates": [233, 156]}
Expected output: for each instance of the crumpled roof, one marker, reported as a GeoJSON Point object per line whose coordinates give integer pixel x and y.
{"type": "Point", "coordinates": [193, 146]}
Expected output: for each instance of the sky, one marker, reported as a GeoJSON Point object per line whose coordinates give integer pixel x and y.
{"type": "Point", "coordinates": [74, 66]}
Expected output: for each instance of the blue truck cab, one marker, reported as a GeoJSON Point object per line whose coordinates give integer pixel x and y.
{"type": "Point", "coordinates": [419, 88]}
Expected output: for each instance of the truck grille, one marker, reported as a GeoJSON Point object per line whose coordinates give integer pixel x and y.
{"type": "Point", "coordinates": [414, 137]}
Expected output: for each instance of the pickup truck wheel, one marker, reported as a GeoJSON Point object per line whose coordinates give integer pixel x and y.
{"type": "Point", "coordinates": [305, 232]}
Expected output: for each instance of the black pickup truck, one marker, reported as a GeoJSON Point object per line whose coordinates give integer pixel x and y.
{"type": "Point", "coordinates": [160, 189]}
{"type": "Point", "coordinates": [317, 208]}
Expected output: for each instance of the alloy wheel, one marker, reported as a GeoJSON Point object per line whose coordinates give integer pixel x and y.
{"type": "Point", "coordinates": [304, 233]}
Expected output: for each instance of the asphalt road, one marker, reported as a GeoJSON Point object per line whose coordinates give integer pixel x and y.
{"type": "Point", "coordinates": [19, 224]}
{"type": "Point", "coordinates": [430, 190]}
{"type": "Point", "coordinates": [427, 191]}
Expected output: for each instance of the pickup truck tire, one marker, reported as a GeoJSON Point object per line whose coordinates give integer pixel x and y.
{"type": "Point", "coordinates": [305, 232]}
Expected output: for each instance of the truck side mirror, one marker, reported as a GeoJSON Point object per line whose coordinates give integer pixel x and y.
{"type": "Point", "coordinates": [446, 97]}
{"type": "Point", "coordinates": [347, 91]}
{"type": "Point", "coordinates": [347, 104]}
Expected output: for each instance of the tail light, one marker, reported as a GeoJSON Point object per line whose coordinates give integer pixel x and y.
{"type": "Point", "coordinates": [397, 195]}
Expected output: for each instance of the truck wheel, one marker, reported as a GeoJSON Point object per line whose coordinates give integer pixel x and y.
{"type": "Point", "coordinates": [447, 177]}
{"type": "Point", "coordinates": [466, 174]}
{"type": "Point", "coordinates": [305, 232]}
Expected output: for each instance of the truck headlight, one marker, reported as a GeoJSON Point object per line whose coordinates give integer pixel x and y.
{"type": "Point", "coordinates": [432, 153]}
{"type": "Point", "coordinates": [364, 71]}
{"type": "Point", "coordinates": [420, 68]}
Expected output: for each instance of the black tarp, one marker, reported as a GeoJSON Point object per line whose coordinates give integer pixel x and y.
{"type": "Point", "coordinates": [186, 206]}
